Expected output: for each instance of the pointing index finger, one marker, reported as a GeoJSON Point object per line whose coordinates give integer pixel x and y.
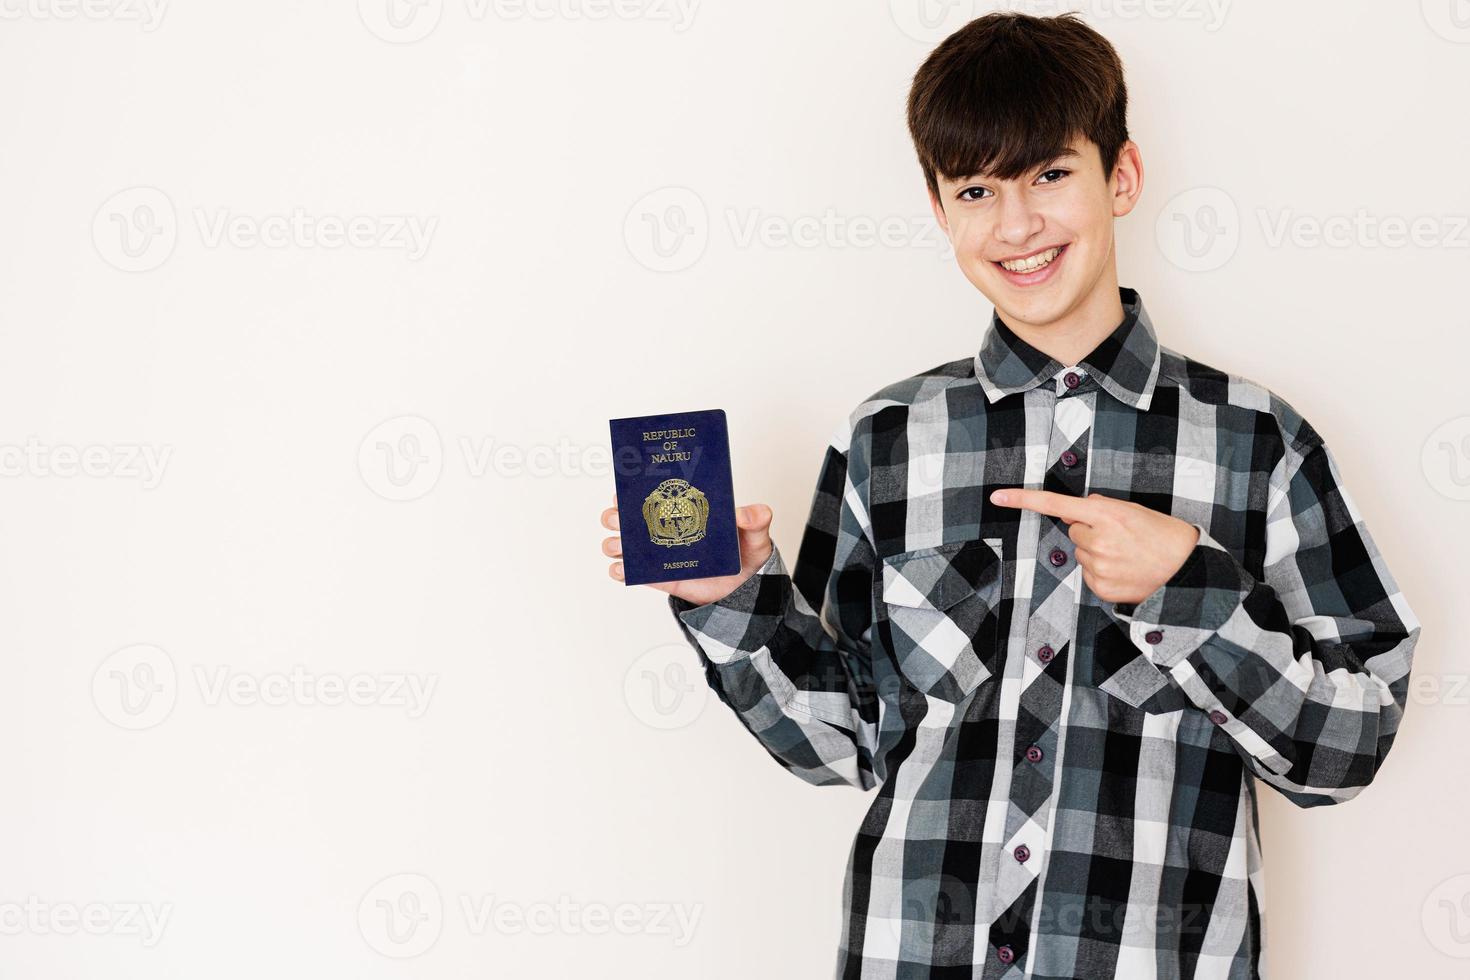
{"type": "Point", "coordinates": [1062, 505]}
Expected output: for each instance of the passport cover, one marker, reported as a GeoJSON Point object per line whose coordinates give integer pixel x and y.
{"type": "Point", "coordinates": [676, 505]}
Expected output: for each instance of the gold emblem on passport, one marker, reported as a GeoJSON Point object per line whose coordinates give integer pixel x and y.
{"type": "Point", "coordinates": [676, 513]}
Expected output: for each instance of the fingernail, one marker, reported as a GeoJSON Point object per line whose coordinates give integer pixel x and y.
{"type": "Point", "coordinates": [999, 497]}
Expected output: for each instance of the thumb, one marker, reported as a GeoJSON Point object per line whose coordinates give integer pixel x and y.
{"type": "Point", "coordinates": [754, 522]}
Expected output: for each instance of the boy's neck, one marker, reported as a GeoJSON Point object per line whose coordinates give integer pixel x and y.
{"type": "Point", "coordinates": [1076, 334]}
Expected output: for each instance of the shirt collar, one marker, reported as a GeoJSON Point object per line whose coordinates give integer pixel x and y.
{"type": "Point", "coordinates": [1125, 363]}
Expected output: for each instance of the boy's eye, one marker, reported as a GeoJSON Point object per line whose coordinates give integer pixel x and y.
{"type": "Point", "coordinates": [978, 193]}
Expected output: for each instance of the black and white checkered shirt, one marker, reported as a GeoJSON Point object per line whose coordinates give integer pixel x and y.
{"type": "Point", "coordinates": [1066, 786]}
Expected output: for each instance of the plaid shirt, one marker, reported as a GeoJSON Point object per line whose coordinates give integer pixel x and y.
{"type": "Point", "coordinates": [1067, 786]}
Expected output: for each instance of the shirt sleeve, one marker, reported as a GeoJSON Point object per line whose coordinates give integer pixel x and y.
{"type": "Point", "coordinates": [1307, 668]}
{"type": "Point", "coordinates": [790, 654]}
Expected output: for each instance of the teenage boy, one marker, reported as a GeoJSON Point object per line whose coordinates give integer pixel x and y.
{"type": "Point", "coordinates": [1064, 601]}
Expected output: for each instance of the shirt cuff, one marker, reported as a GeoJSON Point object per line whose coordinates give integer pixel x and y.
{"type": "Point", "coordinates": [745, 619]}
{"type": "Point", "coordinates": [1181, 615]}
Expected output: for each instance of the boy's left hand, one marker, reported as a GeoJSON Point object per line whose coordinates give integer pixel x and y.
{"type": "Point", "coordinates": [1125, 549]}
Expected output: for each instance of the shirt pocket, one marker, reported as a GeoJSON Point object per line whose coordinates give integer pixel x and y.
{"type": "Point", "coordinates": [1122, 671]}
{"type": "Point", "coordinates": [939, 606]}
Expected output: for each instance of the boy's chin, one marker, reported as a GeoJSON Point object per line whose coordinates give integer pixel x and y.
{"type": "Point", "coordinates": [1031, 304]}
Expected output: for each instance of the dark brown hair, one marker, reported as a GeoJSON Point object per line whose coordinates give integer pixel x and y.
{"type": "Point", "coordinates": [1008, 91]}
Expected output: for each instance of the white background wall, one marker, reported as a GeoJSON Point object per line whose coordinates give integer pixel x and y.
{"type": "Point", "coordinates": [171, 630]}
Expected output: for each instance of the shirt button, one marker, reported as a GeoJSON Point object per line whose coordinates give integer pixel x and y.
{"type": "Point", "coordinates": [1058, 557]}
{"type": "Point", "coordinates": [1045, 654]}
{"type": "Point", "coordinates": [1005, 954]}
{"type": "Point", "coordinates": [1033, 754]}
{"type": "Point", "coordinates": [1069, 458]}
{"type": "Point", "coordinates": [1022, 852]}
{"type": "Point", "coordinates": [1154, 636]}
{"type": "Point", "coordinates": [1072, 379]}
{"type": "Point", "coordinates": [1219, 717]}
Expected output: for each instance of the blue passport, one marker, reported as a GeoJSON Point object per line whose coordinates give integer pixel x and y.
{"type": "Point", "coordinates": [676, 505]}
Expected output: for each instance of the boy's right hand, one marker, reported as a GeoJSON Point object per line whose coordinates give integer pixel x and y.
{"type": "Point", "coordinates": [754, 524]}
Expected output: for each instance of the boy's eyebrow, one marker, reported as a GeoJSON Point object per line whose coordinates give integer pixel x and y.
{"type": "Point", "coordinates": [1065, 154]}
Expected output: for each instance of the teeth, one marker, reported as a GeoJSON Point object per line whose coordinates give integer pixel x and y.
{"type": "Point", "coordinates": [1033, 263]}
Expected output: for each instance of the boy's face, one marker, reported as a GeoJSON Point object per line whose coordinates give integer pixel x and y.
{"type": "Point", "coordinates": [1066, 204]}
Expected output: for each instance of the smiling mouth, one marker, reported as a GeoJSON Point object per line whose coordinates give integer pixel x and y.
{"type": "Point", "coordinates": [1032, 263]}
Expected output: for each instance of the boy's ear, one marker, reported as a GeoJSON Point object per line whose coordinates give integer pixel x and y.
{"type": "Point", "coordinates": [1129, 177]}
